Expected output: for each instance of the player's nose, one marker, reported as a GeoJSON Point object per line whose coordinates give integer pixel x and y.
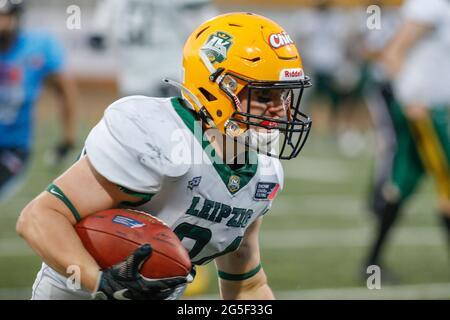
{"type": "Point", "coordinates": [275, 111]}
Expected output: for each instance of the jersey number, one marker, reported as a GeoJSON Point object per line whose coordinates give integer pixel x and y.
{"type": "Point", "coordinates": [202, 236]}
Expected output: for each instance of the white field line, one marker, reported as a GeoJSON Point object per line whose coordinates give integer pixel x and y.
{"type": "Point", "coordinates": [15, 293]}
{"type": "Point", "coordinates": [410, 291]}
{"type": "Point", "coordinates": [298, 239]}
{"type": "Point", "coordinates": [413, 291]}
{"type": "Point", "coordinates": [329, 204]}
{"type": "Point", "coordinates": [14, 247]}
{"type": "Point", "coordinates": [341, 205]}
{"type": "Point", "coordinates": [319, 169]}
{"type": "Point", "coordinates": [355, 237]}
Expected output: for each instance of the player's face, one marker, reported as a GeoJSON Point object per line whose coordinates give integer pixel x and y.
{"type": "Point", "coordinates": [269, 103]}
{"type": "Point", "coordinates": [8, 25]}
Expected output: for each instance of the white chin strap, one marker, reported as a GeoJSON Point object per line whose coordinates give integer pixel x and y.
{"type": "Point", "coordinates": [262, 142]}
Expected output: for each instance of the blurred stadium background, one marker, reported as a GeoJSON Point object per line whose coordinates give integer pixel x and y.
{"type": "Point", "coordinates": [314, 239]}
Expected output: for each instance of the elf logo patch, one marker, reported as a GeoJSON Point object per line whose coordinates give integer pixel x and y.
{"type": "Point", "coordinates": [266, 190]}
{"type": "Point", "coordinates": [217, 46]}
{"type": "Point", "coordinates": [278, 40]}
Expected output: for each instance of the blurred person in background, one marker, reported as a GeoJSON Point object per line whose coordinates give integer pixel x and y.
{"type": "Point", "coordinates": [335, 67]}
{"type": "Point", "coordinates": [149, 36]}
{"type": "Point", "coordinates": [387, 116]}
{"type": "Point", "coordinates": [27, 60]}
{"type": "Point", "coordinates": [417, 61]}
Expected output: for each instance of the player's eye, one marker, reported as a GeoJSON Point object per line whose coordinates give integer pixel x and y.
{"type": "Point", "coordinates": [264, 96]}
{"type": "Point", "coordinates": [263, 99]}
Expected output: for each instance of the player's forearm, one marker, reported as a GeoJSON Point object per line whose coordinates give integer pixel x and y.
{"type": "Point", "coordinates": [407, 36]}
{"type": "Point", "coordinates": [68, 115]}
{"type": "Point", "coordinates": [254, 288]}
{"type": "Point", "coordinates": [261, 292]}
{"type": "Point", "coordinates": [68, 121]}
{"type": "Point", "coordinates": [52, 236]}
{"type": "Point", "coordinates": [65, 88]}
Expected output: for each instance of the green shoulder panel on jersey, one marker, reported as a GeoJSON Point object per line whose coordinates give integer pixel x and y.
{"type": "Point", "coordinates": [227, 174]}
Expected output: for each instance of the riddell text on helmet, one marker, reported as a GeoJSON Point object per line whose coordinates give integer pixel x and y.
{"type": "Point", "coordinates": [292, 74]}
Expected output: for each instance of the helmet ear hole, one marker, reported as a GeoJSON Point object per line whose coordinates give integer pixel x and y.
{"type": "Point", "coordinates": [208, 95]}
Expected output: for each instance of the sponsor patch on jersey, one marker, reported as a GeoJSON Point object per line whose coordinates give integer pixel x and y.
{"type": "Point", "coordinates": [195, 182]}
{"type": "Point", "coordinates": [292, 74]}
{"type": "Point", "coordinates": [128, 222]}
{"type": "Point", "coordinates": [217, 46]}
{"type": "Point", "coordinates": [234, 183]}
{"type": "Point", "coordinates": [266, 190]}
{"type": "Point", "coordinates": [278, 40]}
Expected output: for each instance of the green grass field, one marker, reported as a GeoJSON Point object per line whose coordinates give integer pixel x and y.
{"type": "Point", "coordinates": [313, 241]}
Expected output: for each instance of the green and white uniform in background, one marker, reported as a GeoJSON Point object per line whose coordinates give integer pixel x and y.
{"type": "Point", "coordinates": [424, 80]}
{"type": "Point", "coordinates": [147, 147]}
{"type": "Point", "coordinates": [149, 37]}
{"type": "Point", "coordinates": [425, 73]}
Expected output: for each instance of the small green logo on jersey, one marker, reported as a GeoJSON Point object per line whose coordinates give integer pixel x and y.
{"type": "Point", "coordinates": [234, 184]}
{"type": "Point", "coordinates": [217, 46]}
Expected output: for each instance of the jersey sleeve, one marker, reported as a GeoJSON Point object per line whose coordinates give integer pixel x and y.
{"type": "Point", "coordinates": [427, 12]}
{"type": "Point", "coordinates": [130, 148]}
{"type": "Point", "coordinates": [54, 56]}
{"type": "Point", "coordinates": [273, 169]}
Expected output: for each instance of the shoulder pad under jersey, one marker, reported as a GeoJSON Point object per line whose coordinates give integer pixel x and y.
{"type": "Point", "coordinates": [138, 143]}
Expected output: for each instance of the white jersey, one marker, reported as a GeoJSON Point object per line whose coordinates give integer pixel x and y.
{"type": "Point", "coordinates": [153, 147]}
{"type": "Point", "coordinates": [149, 35]}
{"type": "Point", "coordinates": [325, 49]}
{"type": "Point", "coordinates": [425, 75]}
{"type": "Point", "coordinates": [375, 40]}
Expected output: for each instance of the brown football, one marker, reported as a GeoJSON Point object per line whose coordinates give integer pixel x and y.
{"type": "Point", "coordinates": [110, 236]}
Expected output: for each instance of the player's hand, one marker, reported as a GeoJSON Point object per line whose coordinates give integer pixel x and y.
{"type": "Point", "coordinates": [62, 150]}
{"type": "Point", "coordinates": [124, 282]}
{"type": "Point", "coordinates": [97, 42]}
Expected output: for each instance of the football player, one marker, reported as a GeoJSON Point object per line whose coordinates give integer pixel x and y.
{"type": "Point", "coordinates": [384, 109]}
{"type": "Point", "coordinates": [206, 163]}
{"type": "Point", "coordinates": [27, 59]}
{"type": "Point", "coordinates": [417, 59]}
{"type": "Point", "coordinates": [146, 38]}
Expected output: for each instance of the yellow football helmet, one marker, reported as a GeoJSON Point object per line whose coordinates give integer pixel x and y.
{"type": "Point", "coordinates": [238, 51]}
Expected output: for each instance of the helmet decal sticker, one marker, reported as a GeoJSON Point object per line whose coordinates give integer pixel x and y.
{"type": "Point", "coordinates": [234, 183]}
{"type": "Point", "coordinates": [217, 46]}
{"type": "Point", "coordinates": [292, 74]}
{"type": "Point", "coordinates": [278, 40]}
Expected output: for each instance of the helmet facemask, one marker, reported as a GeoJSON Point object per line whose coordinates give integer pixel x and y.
{"type": "Point", "coordinates": [267, 115]}
{"type": "Point", "coordinates": [244, 52]}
